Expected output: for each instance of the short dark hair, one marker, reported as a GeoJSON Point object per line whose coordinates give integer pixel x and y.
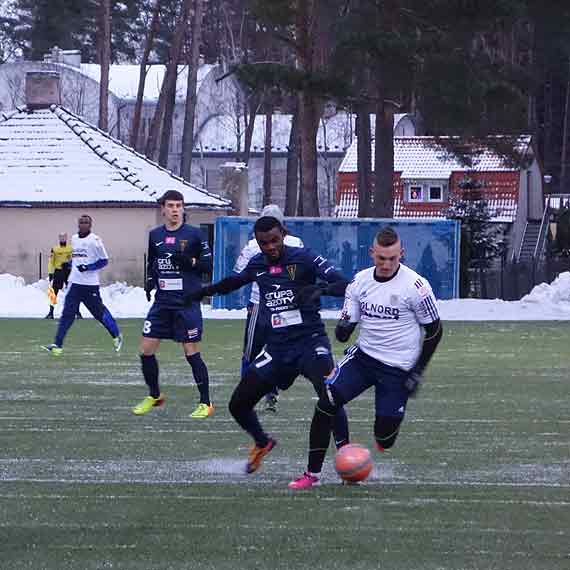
{"type": "Point", "coordinates": [267, 223]}
{"type": "Point", "coordinates": [387, 236]}
{"type": "Point", "coordinates": [171, 195]}
{"type": "Point", "coordinates": [86, 216]}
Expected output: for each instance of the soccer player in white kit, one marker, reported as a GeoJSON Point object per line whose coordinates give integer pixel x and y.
{"type": "Point", "coordinates": [88, 258]}
{"type": "Point", "coordinates": [257, 325]}
{"type": "Point", "coordinates": [400, 329]}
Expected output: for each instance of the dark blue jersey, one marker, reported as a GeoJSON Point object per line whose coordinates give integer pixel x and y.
{"type": "Point", "coordinates": [280, 282]}
{"type": "Point", "coordinates": [176, 261]}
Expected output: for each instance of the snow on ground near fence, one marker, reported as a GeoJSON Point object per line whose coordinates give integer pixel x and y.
{"type": "Point", "coordinates": [544, 302]}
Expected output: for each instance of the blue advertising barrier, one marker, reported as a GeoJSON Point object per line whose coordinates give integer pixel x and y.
{"type": "Point", "coordinates": [430, 247]}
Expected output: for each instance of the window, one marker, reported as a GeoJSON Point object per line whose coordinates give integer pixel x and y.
{"type": "Point", "coordinates": [435, 194]}
{"type": "Point", "coordinates": [416, 194]}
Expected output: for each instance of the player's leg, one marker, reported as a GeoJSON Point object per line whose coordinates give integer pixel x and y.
{"type": "Point", "coordinates": [187, 329]}
{"type": "Point", "coordinates": [261, 376]}
{"type": "Point", "coordinates": [255, 338]}
{"type": "Point", "coordinates": [156, 326]}
{"type": "Point", "coordinates": [249, 350]}
{"type": "Point", "coordinates": [92, 300]}
{"type": "Point", "coordinates": [348, 377]}
{"type": "Point", "coordinates": [72, 300]}
{"type": "Point", "coordinates": [390, 402]}
{"type": "Point", "coordinates": [318, 366]}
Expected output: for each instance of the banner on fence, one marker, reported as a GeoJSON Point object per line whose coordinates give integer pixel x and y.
{"type": "Point", "coordinates": [430, 247]}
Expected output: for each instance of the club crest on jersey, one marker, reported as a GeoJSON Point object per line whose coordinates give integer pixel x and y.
{"type": "Point", "coordinates": [292, 269]}
{"type": "Point", "coordinates": [275, 269]}
{"type": "Point", "coordinates": [394, 299]}
{"type": "Point", "coordinates": [183, 244]}
{"type": "Point", "coordinates": [169, 240]}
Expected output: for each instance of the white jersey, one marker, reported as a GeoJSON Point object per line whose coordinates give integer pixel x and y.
{"type": "Point", "coordinates": [251, 249]}
{"type": "Point", "coordinates": [86, 250]}
{"type": "Point", "coordinates": [390, 314]}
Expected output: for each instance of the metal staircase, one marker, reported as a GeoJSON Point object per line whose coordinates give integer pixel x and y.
{"type": "Point", "coordinates": [529, 241]}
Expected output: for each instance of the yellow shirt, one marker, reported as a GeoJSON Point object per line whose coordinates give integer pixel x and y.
{"type": "Point", "coordinates": [59, 255]}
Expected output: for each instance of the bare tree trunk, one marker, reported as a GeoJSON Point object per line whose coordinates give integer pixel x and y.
{"type": "Point", "coordinates": [564, 152]}
{"type": "Point", "coordinates": [364, 166]}
{"type": "Point", "coordinates": [267, 154]}
{"type": "Point", "coordinates": [250, 112]}
{"type": "Point", "coordinates": [292, 180]}
{"type": "Point", "coordinates": [191, 95]}
{"type": "Point", "coordinates": [383, 206]}
{"type": "Point", "coordinates": [309, 109]}
{"type": "Point", "coordinates": [169, 82]}
{"type": "Point", "coordinates": [105, 61]}
{"type": "Point", "coordinates": [309, 113]}
{"type": "Point", "coordinates": [166, 132]}
{"type": "Point", "coordinates": [149, 42]}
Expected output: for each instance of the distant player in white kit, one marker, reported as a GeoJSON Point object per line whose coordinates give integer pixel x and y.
{"type": "Point", "coordinates": [400, 329]}
{"type": "Point", "coordinates": [257, 324]}
{"type": "Point", "coordinates": [88, 258]}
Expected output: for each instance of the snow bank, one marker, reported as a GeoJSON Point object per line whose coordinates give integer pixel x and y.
{"type": "Point", "coordinates": [544, 302]}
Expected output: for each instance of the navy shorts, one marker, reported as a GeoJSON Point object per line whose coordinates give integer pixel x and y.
{"type": "Point", "coordinates": [357, 372]}
{"type": "Point", "coordinates": [279, 366]}
{"type": "Point", "coordinates": [180, 325]}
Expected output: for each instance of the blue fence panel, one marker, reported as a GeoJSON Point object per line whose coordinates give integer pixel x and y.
{"type": "Point", "coordinates": [430, 247]}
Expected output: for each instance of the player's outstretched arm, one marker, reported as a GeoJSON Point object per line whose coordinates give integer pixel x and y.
{"type": "Point", "coordinates": [223, 287]}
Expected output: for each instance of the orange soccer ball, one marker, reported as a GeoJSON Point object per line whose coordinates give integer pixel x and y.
{"type": "Point", "coordinates": [353, 462]}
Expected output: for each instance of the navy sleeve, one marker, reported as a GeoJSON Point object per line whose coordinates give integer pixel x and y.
{"type": "Point", "coordinates": [327, 271]}
{"type": "Point", "coordinates": [204, 259]}
{"type": "Point", "coordinates": [150, 257]}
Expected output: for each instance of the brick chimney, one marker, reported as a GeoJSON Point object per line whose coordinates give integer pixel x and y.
{"type": "Point", "coordinates": [42, 89]}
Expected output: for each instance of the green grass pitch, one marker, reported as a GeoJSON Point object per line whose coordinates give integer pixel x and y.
{"type": "Point", "coordinates": [479, 478]}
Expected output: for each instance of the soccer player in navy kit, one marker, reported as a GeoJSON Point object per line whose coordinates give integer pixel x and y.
{"type": "Point", "coordinates": [88, 258]}
{"type": "Point", "coordinates": [177, 257]}
{"type": "Point", "coordinates": [256, 322]}
{"type": "Point", "coordinates": [399, 332]}
{"type": "Point", "coordinates": [289, 289]}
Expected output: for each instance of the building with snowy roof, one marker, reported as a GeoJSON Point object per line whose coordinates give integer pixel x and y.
{"type": "Point", "coordinates": [428, 176]}
{"type": "Point", "coordinates": [55, 166]}
{"type": "Point", "coordinates": [219, 132]}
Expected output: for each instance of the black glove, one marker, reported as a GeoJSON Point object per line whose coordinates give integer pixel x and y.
{"type": "Point", "coordinates": [413, 383]}
{"type": "Point", "coordinates": [148, 287]}
{"type": "Point", "coordinates": [182, 261]}
{"type": "Point", "coordinates": [82, 268]}
{"type": "Point", "coordinates": [50, 276]}
{"type": "Point", "coordinates": [309, 294]}
{"type": "Point", "coordinates": [343, 330]}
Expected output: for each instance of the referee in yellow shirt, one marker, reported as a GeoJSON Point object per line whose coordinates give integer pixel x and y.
{"type": "Point", "coordinates": [59, 266]}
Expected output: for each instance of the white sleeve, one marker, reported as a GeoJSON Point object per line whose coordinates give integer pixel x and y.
{"type": "Point", "coordinates": [423, 302]}
{"type": "Point", "coordinates": [351, 308]}
{"type": "Point", "coordinates": [249, 250]}
{"type": "Point", "coordinates": [100, 251]}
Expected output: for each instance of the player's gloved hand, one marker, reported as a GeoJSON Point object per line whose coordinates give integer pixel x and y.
{"type": "Point", "coordinates": [148, 287]}
{"type": "Point", "coordinates": [82, 268]}
{"type": "Point", "coordinates": [343, 330]}
{"type": "Point", "coordinates": [309, 294]}
{"type": "Point", "coordinates": [413, 383]}
{"type": "Point", "coordinates": [183, 261]}
{"type": "Point", "coordinates": [50, 276]}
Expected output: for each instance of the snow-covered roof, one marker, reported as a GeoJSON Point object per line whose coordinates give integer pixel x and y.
{"type": "Point", "coordinates": [53, 156]}
{"type": "Point", "coordinates": [124, 79]}
{"type": "Point", "coordinates": [424, 158]}
{"type": "Point", "coordinates": [220, 133]}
